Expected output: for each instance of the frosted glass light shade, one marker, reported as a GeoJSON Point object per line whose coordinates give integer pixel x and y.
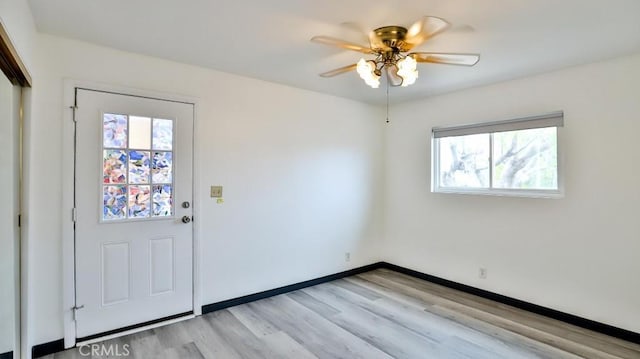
{"type": "Point", "coordinates": [366, 70]}
{"type": "Point", "coordinates": [407, 70]}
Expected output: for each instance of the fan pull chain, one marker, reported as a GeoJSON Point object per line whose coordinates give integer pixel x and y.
{"type": "Point", "coordinates": [387, 100]}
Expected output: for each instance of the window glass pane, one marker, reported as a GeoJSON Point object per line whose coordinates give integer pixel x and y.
{"type": "Point", "coordinates": [114, 201]}
{"type": "Point", "coordinates": [526, 159]}
{"type": "Point", "coordinates": [114, 166]}
{"type": "Point", "coordinates": [140, 133]}
{"type": "Point", "coordinates": [114, 133]}
{"type": "Point", "coordinates": [139, 167]}
{"type": "Point", "coordinates": [464, 161]}
{"type": "Point", "coordinates": [139, 201]}
{"type": "Point", "coordinates": [162, 134]}
{"type": "Point", "coordinates": [162, 200]}
{"type": "Point", "coordinates": [162, 167]}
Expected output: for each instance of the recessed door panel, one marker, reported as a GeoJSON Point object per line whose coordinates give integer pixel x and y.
{"type": "Point", "coordinates": [162, 271]}
{"type": "Point", "coordinates": [116, 277]}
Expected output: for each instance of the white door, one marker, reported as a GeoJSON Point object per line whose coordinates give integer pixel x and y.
{"type": "Point", "coordinates": [133, 233]}
{"type": "Point", "coordinates": [9, 210]}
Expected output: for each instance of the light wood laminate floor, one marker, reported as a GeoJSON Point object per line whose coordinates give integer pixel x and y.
{"type": "Point", "coordinates": [378, 314]}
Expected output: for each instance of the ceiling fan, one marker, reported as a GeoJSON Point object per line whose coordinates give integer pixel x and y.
{"type": "Point", "coordinates": [391, 45]}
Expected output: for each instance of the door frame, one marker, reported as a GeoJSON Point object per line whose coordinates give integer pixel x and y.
{"type": "Point", "coordinates": [68, 188]}
{"type": "Point", "coordinates": [16, 71]}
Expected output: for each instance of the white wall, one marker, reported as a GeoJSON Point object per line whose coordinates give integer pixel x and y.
{"type": "Point", "coordinates": [15, 16]}
{"type": "Point", "coordinates": [301, 173]}
{"type": "Point", "coordinates": [578, 254]}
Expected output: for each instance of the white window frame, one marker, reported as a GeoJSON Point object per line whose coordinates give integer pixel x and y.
{"type": "Point", "coordinates": [554, 119]}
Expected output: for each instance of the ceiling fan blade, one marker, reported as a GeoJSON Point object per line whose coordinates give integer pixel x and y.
{"type": "Point", "coordinates": [392, 75]}
{"type": "Point", "coordinates": [424, 29]}
{"type": "Point", "coordinates": [332, 41]}
{"type": "Point", "coordinates": [358, 29]}
{"type": "Point", "coordinates": [446, 58]}
{"type": "Point", "coordinates": [461, 29]}
{"type": "Point", "coordinates": [339, 71]}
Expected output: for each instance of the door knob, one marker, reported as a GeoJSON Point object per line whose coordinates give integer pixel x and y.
{"type": "Point", "coordinates": [186, 219]}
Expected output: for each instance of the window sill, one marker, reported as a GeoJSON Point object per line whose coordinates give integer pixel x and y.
{"type": "Point", "coordinates": [504, 192]}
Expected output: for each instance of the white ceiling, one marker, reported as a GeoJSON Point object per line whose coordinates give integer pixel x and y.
{"type": "Point", "coordinates": [269, 40]}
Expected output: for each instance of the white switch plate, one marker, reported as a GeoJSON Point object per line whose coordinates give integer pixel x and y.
{"type": "Point", "coordinates": [216, 191]}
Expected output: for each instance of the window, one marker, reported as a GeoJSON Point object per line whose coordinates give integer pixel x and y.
{"type": "Point", "coordinates": [516, 157]}
{"type": "Point", "coordinates": [137, 167]}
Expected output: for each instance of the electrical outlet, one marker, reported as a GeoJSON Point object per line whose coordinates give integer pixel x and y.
{"type": "Point", "coordinates": [347, 257]}
{"type": "Point", "coordinates": [482, 273]}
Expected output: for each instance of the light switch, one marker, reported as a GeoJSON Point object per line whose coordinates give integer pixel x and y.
{"type": "Point", "coordinates": [216, 191]}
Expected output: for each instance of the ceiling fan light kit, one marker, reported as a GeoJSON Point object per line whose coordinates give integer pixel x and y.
{"type": "Point", "coordinates": [391, 46]}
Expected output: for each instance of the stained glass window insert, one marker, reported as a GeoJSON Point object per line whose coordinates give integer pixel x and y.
{"type": "Point", "coordinates": [114, 130]}
{"type": "Point", "coordinates": [137, 167]}
{"type": "Point", "coordinates": [139, 201]}
{"type": "Point", "coordinates": [162, 200]}
{"type": "Point", "coordinates": [162, 167]}
{"type": "Point", "coordinates": [162, 134]}
{"type": "Point", "coordinates": [114, 166]}
{"type": "Point", "coordinates": [114, 202]}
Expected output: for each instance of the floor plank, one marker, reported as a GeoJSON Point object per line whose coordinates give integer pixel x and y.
{"type": "Point", "coordinates": [314, 332]}
{"type": "Point", "coordinates": [382, 333]}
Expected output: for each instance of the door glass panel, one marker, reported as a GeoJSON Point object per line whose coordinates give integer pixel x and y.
{"type": "Point", "coordinates": [138, 167]}
{"type": "Point", "coordinates": [114, 202]}
{"type": "Point", "coordinates": [144, 178]}
{"type": "Point", "coordinates": [162, 167]}
{"type": "Point", "coordinates": [140, 132]}
{"type": "Point", "coordinates": [162, 200]}
{"type": "Point", "coordinates": [114, 134]}
{"type": "Point", "coordinates": [162, 134]}
{"type": "Point", "coordinates": [139, 201]}
{"type": "Point", "coordinates": [114, 167]}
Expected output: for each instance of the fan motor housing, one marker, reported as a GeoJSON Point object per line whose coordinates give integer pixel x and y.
{"type": "Point", "coordinates": [390, 37]}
